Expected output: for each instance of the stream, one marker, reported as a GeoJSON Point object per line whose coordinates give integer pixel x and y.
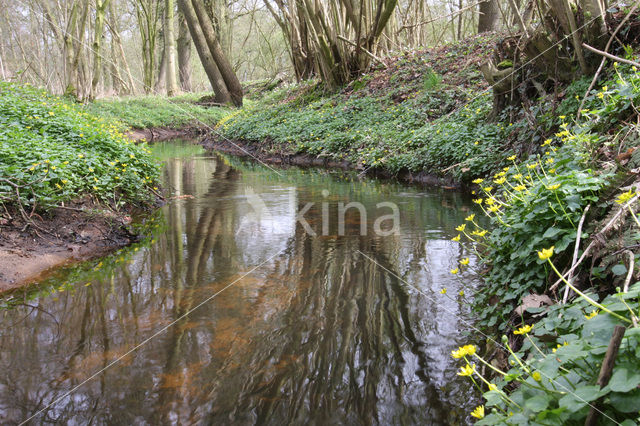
{"type": "Point", "coordinates": [254, 300]}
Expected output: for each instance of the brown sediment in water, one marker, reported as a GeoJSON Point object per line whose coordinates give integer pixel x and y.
{"type": "Point", "coordinates": [271, 153]}
{"type": "Point", "coordinates": [65, 235]}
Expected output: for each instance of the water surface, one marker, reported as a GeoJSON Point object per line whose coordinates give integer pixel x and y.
{"type": "Point", "coordinates": [232, 313]}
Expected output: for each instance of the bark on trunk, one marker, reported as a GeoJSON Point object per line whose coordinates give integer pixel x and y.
{"type": "Point", "coordinates": [169, 43]}
{"type": "Point", "coordinates": [184, 54]}
{"type": "Point", "coordinates": [488, 19]}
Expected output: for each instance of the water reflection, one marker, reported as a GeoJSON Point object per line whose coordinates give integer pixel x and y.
{"type": "Point", "coordinates": [264, 322]}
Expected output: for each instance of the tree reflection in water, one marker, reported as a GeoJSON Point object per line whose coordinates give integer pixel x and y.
{"type": "Point", "coordinates": [318, 334]}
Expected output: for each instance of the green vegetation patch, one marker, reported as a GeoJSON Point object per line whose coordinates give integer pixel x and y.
{"type": "Point", "coordinates": [145, 112]}
{"type": "Point", "coordinates": [51, 151]}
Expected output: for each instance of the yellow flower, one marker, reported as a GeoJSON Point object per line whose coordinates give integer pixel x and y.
{"type": "Point", "coordinates": [494, 208]}
{"type": "Point", "coordinates": [592, 314]}
{"type": "Point", "coordinates": [443, 291]}
{"type": "Point", "coordinates": [80, 156]}
{"type": "Point", "coordinates": [51, 113]}
{"type": "Point", "coordinates": [532, 166]}
{"type": "Point", "coordinates": [536, 376]}
{"type": "Point", "coordinates": [513, 157]}
{"type": "Point", "coordinates": [480, 233]}
{"type": "Point", "coordinates": [478, 200]}
{"type": "Point", "coordinates": [500, 181]}
{"type": "Point", "coordinates": [470, 217]}
{"type": "Point", "coordinates": [547, 142]}
{"type": "Point", "coordinates": [467, 370]}
{"type": "Point", "coordinates": [461, 227]}
{"type": "Point", "coordinates": [82, 135]}
{"type": "Point", "coordinates": [478, 413]}
{"type": "Point", "coordinates": [562, 117]}
{"type": "Point", "coordinates": [455, 271]}
{"type": "Point", "coordinates": [524, 329]}
{"type": "Point", "coordinates": [545, 254]}
{"type": "Point", "coordinates": [490, 201]}
{"type": "Point", "coordinates": [478, 181]}
{"type": "Point", "coordinates": [553, 187]}
{"type": "Point", "coordinates": [487, 188]}
{"type": "Point", "coordinates": [624, 197]}
{"type": "Point", "coordinates": [132, 156]}
{"type": "Point", "coordinates": [464, 261]}
{"type": "Point", "coordinates": [90, 170]}
{"type": "Point", "coordinates": [520, 187]}
{"type": "Point", "coordinates": [456, 238]}
{"type": "Point", "coordinates": [549, 161]}
{"type": "Point", "coordinates": [461, 293]}
{"type": "Point", "coordinates": [53, 167]}
{"type": "Point", "coordinates": [492, 387]}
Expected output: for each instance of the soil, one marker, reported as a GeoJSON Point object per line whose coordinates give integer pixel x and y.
{"type": "Point", "coordinates": [76, 232]}
{"type": "Point", "coordinates": [270, 154]}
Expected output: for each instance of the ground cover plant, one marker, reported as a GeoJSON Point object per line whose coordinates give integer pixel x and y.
{"type": "Point", "coordinates": [52, 151]}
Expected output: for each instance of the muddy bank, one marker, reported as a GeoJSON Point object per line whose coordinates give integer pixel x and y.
{"type": "Point", "coordinates": [77, 232]}
{"type": "Point", "coordinates": [272, 154]}
{"type": "Point", "coordinates": [157, 134]}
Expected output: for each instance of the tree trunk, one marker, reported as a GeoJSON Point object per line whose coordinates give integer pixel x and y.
{"type": "Point", "coordinates": [115, 37]}
{"type": "Point", "coordinates": [488, 19]}
{"type": "Point", "coordinates": [162, 69]}
{"type": "Point", "coordinates": [224, 66]}
{"type": "Point", "coordinates": [101, 7]}
{"type": "Point", "coordinates": [184, 54]}
{"type": "Point", "coordinates": [169, 45]}
{"type": "Point", "coordinates": [215, 77]}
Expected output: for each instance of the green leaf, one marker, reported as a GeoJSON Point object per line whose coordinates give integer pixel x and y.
{"type": "Point", "coordinates": [624, 379]}
{"type": "Point", "coordinates": [538, 402]}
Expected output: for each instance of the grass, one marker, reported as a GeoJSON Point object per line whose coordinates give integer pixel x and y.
{"type": "Point", "coordinates": [142, 112]}
{"type": "Point", "coordinates": [52, 151]}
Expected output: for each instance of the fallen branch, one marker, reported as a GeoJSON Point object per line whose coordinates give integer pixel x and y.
{"type": "Point", "coordinates": [610, 56]}
{"type": "Point", "coordinates": [575, 253]}
{"type": "Point", "coordinates": [593, 243]}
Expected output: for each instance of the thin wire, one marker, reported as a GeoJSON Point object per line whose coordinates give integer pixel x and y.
{"type": "Point", "coordinates": [478, 330]}
{"type": "Point", "coordinates": [210, 128]}
{"type": "Point", "coordinates": [147, 340]}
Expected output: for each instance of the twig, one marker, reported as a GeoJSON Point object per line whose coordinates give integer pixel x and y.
{"type": "Point", "coordinates": [610, 56]}
{"type": "Point", "coordinates": [371, 55]}
{"type": "Point", "coordinates": [606, 370]}
{"type": "Point", "coordinates": [604, 60]}
{"type": "Point", "coordinates": [609, 224]}
{"type": "Point", "coordinates": [575, 253]}
{"type": "Point", "coordinates": [627, 280]}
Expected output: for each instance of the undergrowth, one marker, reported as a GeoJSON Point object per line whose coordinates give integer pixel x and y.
{"type": "Point", "coordinates": [52, 151]}
{"type": "Point", "coordinates": [142, 112]}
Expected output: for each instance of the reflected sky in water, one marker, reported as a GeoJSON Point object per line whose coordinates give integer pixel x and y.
{"type": "Point", "coordinates": [265, 323]}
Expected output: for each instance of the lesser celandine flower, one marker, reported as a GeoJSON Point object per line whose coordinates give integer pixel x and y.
{"type": "Point", "coordinates": [478, 413]}
{"type": "Point", "coordinates": [461, 227]}
{"type": "Point", "coordinates": [512, 158]}
{"type": "Point", "coordinates": [524, 329]}
{"type": "Point", "coordinates": [464, 261]}
{"type": "Point", "coordinates": [470, 217]}
{"type": "Point", "coordinates": [536, 376]}
{"type": "Point", "coordinates": [477, 181]}
{"type": "Point", "coordinates": [553, 187]}
{"type": "Point", "coordinates": [592, 314]}
{"type": "Point", "coordinates": [456, 238]}
{"type": "Point", "coordinates": [467, 370]}
{"type": "Point", "coordinates": [545, 254]}
{"type": "Point", "coordinates": [624, 197]}
{"type": "Point", "coordinates": [455, 271]}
